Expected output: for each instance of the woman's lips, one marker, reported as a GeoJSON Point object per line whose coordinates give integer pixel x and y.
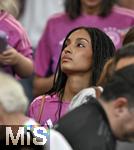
{"type": "Point", "coordinates": [66, 58]}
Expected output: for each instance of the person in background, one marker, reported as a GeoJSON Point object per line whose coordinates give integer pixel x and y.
{"type": "Point", "coordinates": [129, 37]}
{"type": "Point", "coordinates": [13, 106]}
{"type": "Point", "coordinates": [35, 16]}
{"type": "Point", "coordinates": [13, 102]}
{"type": "Point", "coordinates": [123, 57]}
{"type": "Point", "coordinates": [126, 3]}
{"type": "Point", "coordinates": [21, 6]}
{"type": "Point", "coordinates": [84, 49]}
{"type": "Point", "coordinates": [98, 123]}
{"type": "Point", "coordinates": [103, 14]}
{"type": "Point", "coordinates": [16, 59]}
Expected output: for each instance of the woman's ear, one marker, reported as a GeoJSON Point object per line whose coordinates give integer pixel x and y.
{"type": "Point", "coordinates": [120, 106]}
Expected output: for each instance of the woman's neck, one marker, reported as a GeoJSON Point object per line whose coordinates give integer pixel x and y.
{"type": "Point", "coordinates": [91, 11]}
{"type": "Point", "coordinates": [74, 84]}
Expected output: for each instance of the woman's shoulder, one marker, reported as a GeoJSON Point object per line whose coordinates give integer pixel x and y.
{"type": "Point", "coordinates": [10, 19]}
{"type": "Point", "coordinates": [57, 18]}
{"type": "Point", "coordinates": [13, 27]}
{"type": "Point", "coordinates": [123, 11]}
{"type": "Point", "coordinates": [47, 98]}
{"type": "Point", "coordinates": [37, 99]}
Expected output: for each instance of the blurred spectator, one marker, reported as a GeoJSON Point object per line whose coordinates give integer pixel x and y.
{"type": "Point", "coordinates": [13, 106]}
{"type": "Point", "coordinates": [99, 13]}
{"type": "Point", "coordinates": [21, 6]}
{"type": "Point", "coordinates": [126, 3]}
{"type": "Point", "coordinates": [129, 37]}
{"type": "Point", "coordinates": [125, 56]}
{"type": "Point", "coordinates": [16, 59]}
{"type": "Point", "coordinates": [36, 14]}
{"type": "Point", "coordinates": [13, 102]}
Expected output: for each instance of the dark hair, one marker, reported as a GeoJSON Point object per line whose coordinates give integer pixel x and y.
{"type": "Point", "coordinates": [129, 37]}
{"type": "Point", "coordinates": [103, 49]}
{"type": "Point", "coordinates": [121, 84]}
{"type": "Point", "coordinates": [73, 8]}
{"type": "Point", "coordinates": [125, 51]}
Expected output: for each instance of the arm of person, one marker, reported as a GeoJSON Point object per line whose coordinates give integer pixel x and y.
{"type": "Point", "coordinates": [42, 84]}
{"type": "Point", "coordinates": [42, 61]}
{"type": "Point", "coordinates": [22, 65]}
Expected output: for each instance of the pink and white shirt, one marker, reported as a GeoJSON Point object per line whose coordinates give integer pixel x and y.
{"type": "Point", "coordinates": [17, 37]}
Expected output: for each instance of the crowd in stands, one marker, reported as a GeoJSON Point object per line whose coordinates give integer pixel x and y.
{"type": "Point", "coordinates": [66, 74]}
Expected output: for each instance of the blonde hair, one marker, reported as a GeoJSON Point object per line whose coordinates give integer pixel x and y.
{"type": "Point", "coordinates": [12, 96]}
{"type": "Point", "coordinates": [11, 6]}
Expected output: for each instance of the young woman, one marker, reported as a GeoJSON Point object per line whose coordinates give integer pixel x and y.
{"type": "Point", "coordinates": [84, 53]}
{"type": "Point", "coordinates": [103, 14]}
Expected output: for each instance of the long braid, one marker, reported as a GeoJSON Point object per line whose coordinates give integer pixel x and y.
{"type": "Point", "coordinates": [103, 49]}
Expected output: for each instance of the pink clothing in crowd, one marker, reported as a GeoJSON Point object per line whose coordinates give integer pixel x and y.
{"type": "Point", "coordinates": [50, 108]}
{"type": "Point", "coordinates": [116, 24]}
{"type": "Point", "coordinates": [17, 37]}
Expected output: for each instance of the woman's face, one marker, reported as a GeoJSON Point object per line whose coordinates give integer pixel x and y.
{"type": "Point", "coordinates": [91, 3]}
{"type": "Point", "coordinates": [76, 57]}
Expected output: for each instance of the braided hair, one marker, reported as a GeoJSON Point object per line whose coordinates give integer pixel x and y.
{"type": "Point", "coordinates": [103, 49]}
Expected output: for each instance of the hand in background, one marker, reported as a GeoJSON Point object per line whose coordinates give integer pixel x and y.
{"type": "Point", "coordinates": [9, 57]}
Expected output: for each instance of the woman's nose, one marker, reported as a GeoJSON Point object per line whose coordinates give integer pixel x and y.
{"type": "Point", "coordinates": [68, 49]}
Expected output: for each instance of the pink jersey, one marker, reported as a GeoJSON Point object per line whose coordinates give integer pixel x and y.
{"type": "Point", "coordinates": [50, 108]}
{"type": "Point", "coordinates": [17, 37]}
{"type": "Point", "coordinates": [116, 24]}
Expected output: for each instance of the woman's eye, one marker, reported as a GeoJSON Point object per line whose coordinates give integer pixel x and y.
{"type": "Point", "coordinates": [65, 45]}
{"type": "Point", "coordinates": [80, 45]}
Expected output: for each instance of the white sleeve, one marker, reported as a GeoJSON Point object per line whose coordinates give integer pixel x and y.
{"type": "Point", "coordinates": [81, 97]}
